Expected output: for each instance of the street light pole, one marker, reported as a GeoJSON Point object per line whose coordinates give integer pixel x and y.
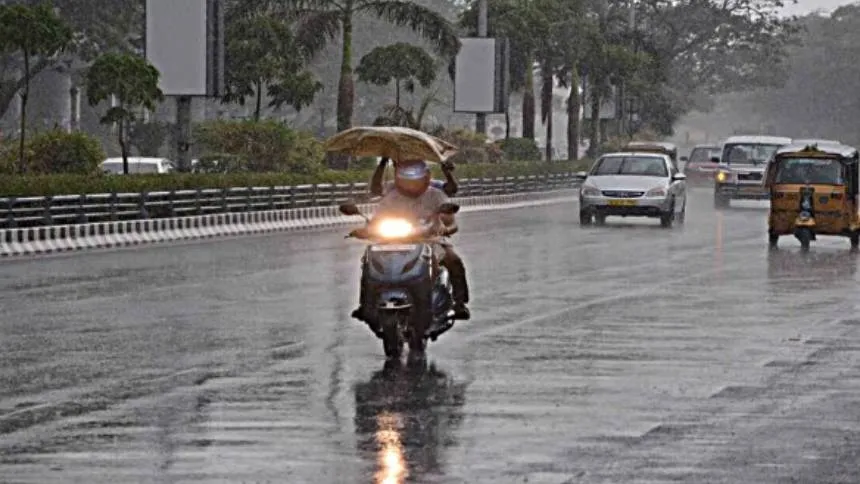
{"type": "Point", "coordinates": [481, 118]}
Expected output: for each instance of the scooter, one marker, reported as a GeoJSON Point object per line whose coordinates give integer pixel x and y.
{"type": "Point", "coordinates": [408, 293]}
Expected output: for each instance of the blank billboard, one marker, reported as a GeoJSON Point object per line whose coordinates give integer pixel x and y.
{"type": "Point", "coordinates": [182, 43]}
{"type": "Point", "coordinates": [481, 75]}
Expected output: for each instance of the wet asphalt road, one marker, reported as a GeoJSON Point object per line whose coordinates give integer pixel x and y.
{"type": "Point", "coordinates": [625, 353]}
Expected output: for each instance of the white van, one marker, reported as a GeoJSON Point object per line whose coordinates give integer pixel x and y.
{"type": "Point", "coordinates": [138, 164]}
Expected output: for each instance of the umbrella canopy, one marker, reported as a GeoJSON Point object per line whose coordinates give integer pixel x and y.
{"type": "Point", "coordinates": [393, 142]}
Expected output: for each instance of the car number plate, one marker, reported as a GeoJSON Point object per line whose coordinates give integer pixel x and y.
{"type": "Point", "coordinates": [621, 203]}
{"type": "Point", "coordinates": [393, 248]}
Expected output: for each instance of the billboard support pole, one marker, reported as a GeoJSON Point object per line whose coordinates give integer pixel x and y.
{"type": "Point", "coordinates": [481, 118]}
{"type": "Point", "coordinates": [183, 133]}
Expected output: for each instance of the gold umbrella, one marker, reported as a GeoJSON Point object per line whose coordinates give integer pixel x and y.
{"type": "Point", "coordinates": [394, 142]}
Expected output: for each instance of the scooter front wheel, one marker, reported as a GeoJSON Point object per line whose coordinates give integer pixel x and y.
{"type": "Point", "coordinates": [392, 340]}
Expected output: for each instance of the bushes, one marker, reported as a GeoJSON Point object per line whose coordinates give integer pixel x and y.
{"type": "Point", "coordinates": [473, 146]}
{"type": "Point", "coordinates": [261, 146]}
{"type": "Point", "coordinates": [520, 149]}
{"type": "Point", "coordinates": [47, 185]}
{"type": "Point", "coordinates": [55, 152]}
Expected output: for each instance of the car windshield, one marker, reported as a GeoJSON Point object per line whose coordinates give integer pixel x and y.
{"type": "Point", "coordinates": [631, 165]}
{"type": "Point", "coordinates": [703, 155]}
{"type": "Point", "coordinates": [810, 170]}
{"type": "Point", "coordinates": [749, 154]}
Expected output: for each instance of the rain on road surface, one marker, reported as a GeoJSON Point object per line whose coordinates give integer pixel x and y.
{"type": "Point", "coordinates": [625, 353]}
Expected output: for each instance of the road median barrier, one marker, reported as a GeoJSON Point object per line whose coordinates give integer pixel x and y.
{"type": "Point", "coordinates": [126, 233]}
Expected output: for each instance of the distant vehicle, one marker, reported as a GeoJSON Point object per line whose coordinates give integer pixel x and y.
{"type": "Point", "coordinates": [699, 166]}
{"type": "Point", "coordinates": [742, 161]}
{"type": "Point", "coordinates": [654, 147]}
{"type": "Point", "coordinates": [634, 184]}
{"type": "Point", "coordinates": [813, 141]}
{"type": "Point", "coordinates": [137, 165]}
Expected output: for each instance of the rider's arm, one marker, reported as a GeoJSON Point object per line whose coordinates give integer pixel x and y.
{"type": "Point", "coordinates": [450, 187]}
{"type": "Point", "coordinates": [449, 223]}
{"type": "Point", "coordinates": [376, 179]}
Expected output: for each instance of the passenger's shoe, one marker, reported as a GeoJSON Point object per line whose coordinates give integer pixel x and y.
{"type": "Point", "coordinates": [462, 312]}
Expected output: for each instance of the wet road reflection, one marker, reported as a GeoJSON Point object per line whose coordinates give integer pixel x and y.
{"type": "Point", "coordinates": [406, 417]}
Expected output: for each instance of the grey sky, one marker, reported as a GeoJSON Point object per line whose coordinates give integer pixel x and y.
{"type": "Point", "coordinates": [806, 6]}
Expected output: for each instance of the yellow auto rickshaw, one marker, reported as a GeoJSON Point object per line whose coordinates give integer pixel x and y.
{"type": "Point", "coordinates": [654, 147]}
{"type": "Point", "coordinates": [813, 191]}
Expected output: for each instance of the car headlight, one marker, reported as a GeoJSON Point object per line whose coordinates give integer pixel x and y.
{"type": "Point", "coordinates": [395, 229]}
{"type": "Point", "coordinates": [590, 192]}
{"type": "Point", "coordinates": [656, 192]}
{"type": "Point", "coordinates": [722, 176]}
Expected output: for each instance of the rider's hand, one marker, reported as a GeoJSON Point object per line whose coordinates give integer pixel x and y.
{"type": "Point", "coordinates": [359, 233]}
{"type": "Point", "coordinates": [447, 166]}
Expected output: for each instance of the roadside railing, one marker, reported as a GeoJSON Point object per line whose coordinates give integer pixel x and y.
{"type": "Point", "coordinates": [17, 212]}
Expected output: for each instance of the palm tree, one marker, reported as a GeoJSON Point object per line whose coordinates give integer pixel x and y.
{"type": "Point", "coordinates": [321, 20]}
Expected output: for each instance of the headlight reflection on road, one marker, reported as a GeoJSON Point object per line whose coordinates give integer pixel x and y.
{"type": "Point", "coordinates": [392, 464]}
{"type": "Point", "coordinates": [718, 245]}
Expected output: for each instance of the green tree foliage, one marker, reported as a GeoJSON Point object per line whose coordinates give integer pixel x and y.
{"type": "Point", "coordinates": [262, 53]}
{"type": "Point", "coordinates": [321, 20]}
{"type": "Point", "coordinates": [34, 33]}
{"type": "Point", "coordinates": [822, 77]}
{"type": "Point", "coordinates": [403, 63]}
{"type": "Point", "coordinates": [260, 146]}
{"type": "Point", "coordinates": [129, 80]}
{"type": "Point", "coordinates": [669, 55]}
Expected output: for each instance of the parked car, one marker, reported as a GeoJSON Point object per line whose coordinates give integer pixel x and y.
{"type": "Point", "coordinates": [138, 164]}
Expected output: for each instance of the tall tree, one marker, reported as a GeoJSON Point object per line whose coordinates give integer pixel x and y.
{"type": "Point", "coordinates": [571, 29]}
{"type": "Point", "coordinates": [321, 20]}
{"type": "Point", "coordinates": [403, 63]}
{"type": "Point", "coordinates": [263, 55]}
{"type": "Point", "coordinates": [132, 82]}
{"type": "Point", "coordinates": [35, 33]}
{"type": "Point", "coordinates": [710, 47]}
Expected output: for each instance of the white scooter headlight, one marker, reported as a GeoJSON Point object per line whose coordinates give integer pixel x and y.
{"type": "Point", "coordinates": [395, 228]}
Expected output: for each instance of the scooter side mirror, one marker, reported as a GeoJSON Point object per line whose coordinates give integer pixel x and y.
{"type": "Point", "coordinates": [349, 209]}
{"type": "Point", "coordinates": [448, 208]}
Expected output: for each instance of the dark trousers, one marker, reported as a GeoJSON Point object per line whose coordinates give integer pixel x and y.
{"type": "Point", "coordinates": [457, 270]}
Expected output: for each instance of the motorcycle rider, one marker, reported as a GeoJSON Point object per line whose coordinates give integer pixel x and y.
{"type": "Point", "coordinates": [412, 193]}
{"type": "Point", "coordinates": [450, 185]}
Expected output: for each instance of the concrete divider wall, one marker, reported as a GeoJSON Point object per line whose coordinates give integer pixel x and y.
{"type": "Point", "coordinates": [63, 238]}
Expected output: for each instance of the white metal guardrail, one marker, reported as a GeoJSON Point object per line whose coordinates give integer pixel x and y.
{"type": "Point", "coordinates": [20, 212]}
{"type": "Point", "coordinates": [100, 235]}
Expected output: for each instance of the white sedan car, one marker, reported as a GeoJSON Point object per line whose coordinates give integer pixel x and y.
{"type": "Point", "coordinates": [633, 184]}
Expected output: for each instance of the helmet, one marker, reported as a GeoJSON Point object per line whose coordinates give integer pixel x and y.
{"type": "Point", "coordinates": [412, 178]}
